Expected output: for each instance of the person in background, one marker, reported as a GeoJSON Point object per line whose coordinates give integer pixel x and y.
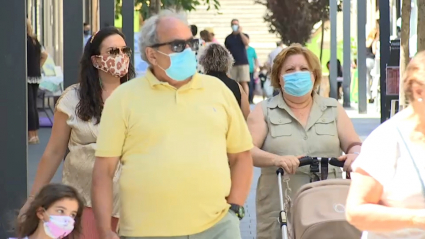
{"type": "Point", "coordinates": [236, 43]}
{"type": "Point", "coordinates": [279, 47]}
{"type": "Point", "coordinates": [371, 46]}
{"type": "Point", "coordinates": [263, 77]}
{"type": "Point", "coordinates": [217, 61]}
{"type": "Point", "coordinates": [194, 30]}
{"type": "Point", "coordinates": [55, 212]}
{"type": "Point", "coordinates": [187, 168]}
{"type": "Point", "coordinates": [36, 58]}
{"type": "Point", "coordinates": [198, 43]}
{"type": "Point", "coordinates": [387, 192]}
{"type": "Point", "coordinates": [339, 76]}
{"type": "Point", "coordinates": [104, 66]}
{"type": "Point", "coordinates": [253, 70]}
{"type": "Point", "coordinates": [297, 122]}
{"type": "Point", "coordinates": [212, 35]}
{"type": "Point", "coordinates": [86, 32]}
{"type": "Point", "coordinates": [206, 39]}
{"type": "Point", "coordinates": [205, 36]}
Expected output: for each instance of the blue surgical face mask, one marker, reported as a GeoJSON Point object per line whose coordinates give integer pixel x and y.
{"type": "Point", "coordinates": [235, 28]}
{"type": "Point", "coordinates": [298, 83]}
{"type": "Point", "coordinates": [183, 65]}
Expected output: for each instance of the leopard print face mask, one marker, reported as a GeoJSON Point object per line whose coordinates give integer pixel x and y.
{"type": "Point", "coordinates": [115, 65]}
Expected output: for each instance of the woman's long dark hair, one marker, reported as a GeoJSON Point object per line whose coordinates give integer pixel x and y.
{"type": "Point", "coordinates": [90, 92]}
{"type": "Point", "coordinates": [48, 195]}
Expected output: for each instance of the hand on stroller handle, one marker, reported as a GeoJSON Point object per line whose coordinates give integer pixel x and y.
{"type": "Point", "coordinates": [307, 160]}
{"type": "Point", "coordinates": [318, 171]}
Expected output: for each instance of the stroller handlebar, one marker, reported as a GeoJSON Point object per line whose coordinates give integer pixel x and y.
{"type": "Point", "coordinates": [307, 160]}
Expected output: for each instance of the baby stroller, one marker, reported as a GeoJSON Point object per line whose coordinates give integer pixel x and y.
{"type": "Point", "coordinates": [318, 209]}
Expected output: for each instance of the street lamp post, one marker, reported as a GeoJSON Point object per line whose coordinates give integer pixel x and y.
{"type": "Point", "coordinates": [128, 24]}
{"type": "Point", "coordinates": [361, 55]}
{"type": "Point", "coordinates": [333, 63]}
{"type": "Point", "coordinates": [13, 110]}
{"type": "Point", "coordinates": [347, 52]}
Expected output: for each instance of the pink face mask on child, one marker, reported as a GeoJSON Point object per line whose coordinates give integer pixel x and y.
{"type": "Point", "coordinates": [59, 226]}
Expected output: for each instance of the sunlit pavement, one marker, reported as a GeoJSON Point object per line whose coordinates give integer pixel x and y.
{"type": "Point", "coordinates": [363, 123]}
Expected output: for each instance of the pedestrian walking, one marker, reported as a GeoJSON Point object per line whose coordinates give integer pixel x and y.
{"type": "Point", "coordinates": [183, 143]}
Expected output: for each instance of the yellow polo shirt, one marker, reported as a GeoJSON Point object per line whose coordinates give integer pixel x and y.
{"type": "Point", "coordinates": [173, 145]}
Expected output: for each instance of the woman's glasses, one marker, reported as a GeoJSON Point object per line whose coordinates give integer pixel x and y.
{"type": "Point", "coordinates": [180, 45]}
{"type": "Point", "coordinates": [114, 51]}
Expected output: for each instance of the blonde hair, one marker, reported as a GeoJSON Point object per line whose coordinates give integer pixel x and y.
{"type": "Point", "coordinates": [296, 49]}
{"type": "Point", "coordinates": [373, 34]}
{"type": "Point", "coordinates": [414, 73]}
{"type": "Point", "coordinates": [30, 30]}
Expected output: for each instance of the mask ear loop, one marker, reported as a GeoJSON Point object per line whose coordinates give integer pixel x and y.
{"type": "Point", "coordinates": [45, 212]}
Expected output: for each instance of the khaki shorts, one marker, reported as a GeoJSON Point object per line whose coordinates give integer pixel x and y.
{"type": "Point", "coordinates": [240, 73]}
{"type": "Point", "coordinates": [226, 228]}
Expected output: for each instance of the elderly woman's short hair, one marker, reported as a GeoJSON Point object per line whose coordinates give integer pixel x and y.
{"type": "Point", "coordinates": [296, 49]}
{"type": "Point", "coordinates": [148, 33]}
{"type": "Point", "coordinates": [414, 74]}
{"type": "Point", "coordinates": [215, 57]}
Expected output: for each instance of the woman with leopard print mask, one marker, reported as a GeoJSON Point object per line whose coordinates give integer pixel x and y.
{"type": "Point", "coordinates": [104, 65]}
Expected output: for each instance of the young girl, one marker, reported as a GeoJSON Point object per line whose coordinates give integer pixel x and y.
{"type": "Point", "coordinates": [54, 213]}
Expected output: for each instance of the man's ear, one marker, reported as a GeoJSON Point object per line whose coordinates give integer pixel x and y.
{"type": "Point", "coordinates": [151, 55]}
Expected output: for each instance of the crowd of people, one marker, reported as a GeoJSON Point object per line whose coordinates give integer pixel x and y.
{"type": "Point", "coordinates": [171, 154]}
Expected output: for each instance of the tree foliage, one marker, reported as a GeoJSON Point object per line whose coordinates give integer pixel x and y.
{"type": "Point", "coordinates": [148, 7]}
{"type": "Point", "coordinates": [293, 20]}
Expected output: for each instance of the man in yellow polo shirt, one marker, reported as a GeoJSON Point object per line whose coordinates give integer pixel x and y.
{"type": "Point", "coordinates": [183, 144]}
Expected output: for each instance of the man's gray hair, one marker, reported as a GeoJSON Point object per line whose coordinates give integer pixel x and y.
{"type": "Point", "coordinates": [215, 57]}
{"type": "Point", "coordinates": [148, 34]}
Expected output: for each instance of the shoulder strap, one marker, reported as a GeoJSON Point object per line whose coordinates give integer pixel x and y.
{"type": "Point", "coordinates": [413, 161]}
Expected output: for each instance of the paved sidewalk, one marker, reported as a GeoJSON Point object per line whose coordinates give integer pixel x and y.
{"type": "Point", "coordinates": [364, 124]}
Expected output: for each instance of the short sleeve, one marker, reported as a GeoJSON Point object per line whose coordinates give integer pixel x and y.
{"type": "Point", "coordinates": [238, 137]}
{"type": "Point", "coordinates": [68, 101]}
{"type": "Point", "coordinates": [255, 53]}
{"type": "Point", "coordinates": [113, 126]}
{"type": "Point", "coordinates": [379, 154]}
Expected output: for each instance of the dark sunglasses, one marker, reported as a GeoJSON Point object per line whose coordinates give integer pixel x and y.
{"type": "Point", "coordinates": [113, 51]}
{"type": "Point", "coordinates": [180, 45]}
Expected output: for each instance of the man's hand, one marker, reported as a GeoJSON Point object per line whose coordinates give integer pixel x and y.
{"type": "Point", "coordinates": [239, 30]}
{"type": "Point", "coordinates": [349, 159]}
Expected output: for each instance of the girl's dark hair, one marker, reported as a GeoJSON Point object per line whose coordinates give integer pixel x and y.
{"type": "Point", "coordinates": [48, 195]}
{"type": "Point", "coordinates": [90, 93]}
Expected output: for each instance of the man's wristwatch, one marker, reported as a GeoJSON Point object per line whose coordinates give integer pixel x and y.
{"type": "Point", "coordinates": [238, 210]}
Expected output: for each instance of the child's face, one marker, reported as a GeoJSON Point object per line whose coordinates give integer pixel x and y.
{"type": "Point", "coordinates": [64, 207]}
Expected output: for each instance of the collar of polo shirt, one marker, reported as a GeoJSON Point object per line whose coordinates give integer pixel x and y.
{"type": "Point", "coordinates": [194, 83]}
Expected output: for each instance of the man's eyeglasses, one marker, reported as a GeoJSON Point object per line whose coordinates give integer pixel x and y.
{"type": "Point", "coordinates": [180, 45]}
{"type": "Point", "coordinates": [113, 51]}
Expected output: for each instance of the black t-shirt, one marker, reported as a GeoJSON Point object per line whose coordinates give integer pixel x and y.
{"type": "Point", "coordinates": [369, 52]}
{"type": "Point", "coordinates": [33, 57]}
{"type": "Point", "coordinates": [235, 45]}
{"type": "Point", "coordinates": [231, 84]}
